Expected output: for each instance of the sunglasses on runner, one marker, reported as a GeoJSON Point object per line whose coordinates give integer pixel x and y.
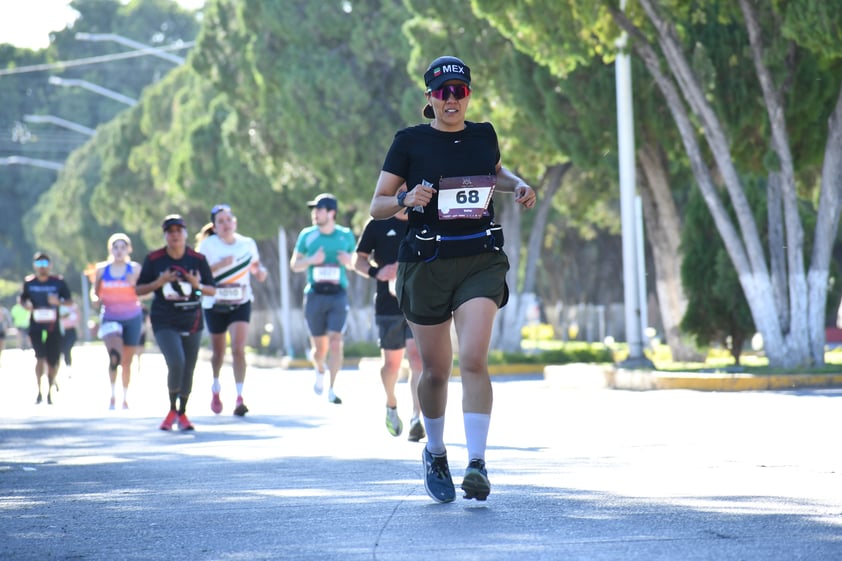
{"type": "Point", "coordinates": [458, 91]}
{"type": "Point", "coordinates": [41, 263]}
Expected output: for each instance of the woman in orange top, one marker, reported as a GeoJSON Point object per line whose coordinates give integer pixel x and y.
{"type": "Point", "coordinates": [121, 314]}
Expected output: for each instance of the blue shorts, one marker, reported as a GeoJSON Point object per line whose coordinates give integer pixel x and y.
{"type": "Point", "coordinates": [132, 329]}
{"type": "Point", "coordinates": [325, 312]}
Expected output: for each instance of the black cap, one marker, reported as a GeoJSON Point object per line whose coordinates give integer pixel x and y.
{"type": "Point", "coordinates": [40, 255]}
{"type": "Point", "coordinates": [173, 220]}
{"type": "Point", "coordinates": [325, 200]}
{"type": "Point", "coordinates": [446, 68]}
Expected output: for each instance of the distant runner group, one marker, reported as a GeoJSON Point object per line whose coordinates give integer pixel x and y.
{"type": "Point", "coordinates": [432, 247]}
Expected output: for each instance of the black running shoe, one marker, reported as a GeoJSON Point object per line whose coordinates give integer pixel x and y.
{"type": "Point", "coordinates": [475, 483]}
{"type": "Point", "coordinates": [416, 430]}
{"type": "Point", "coordinates": [240, 410]}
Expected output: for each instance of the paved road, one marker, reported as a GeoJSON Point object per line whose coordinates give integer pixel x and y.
{"type": "Point", "coordinates": [576, 474]}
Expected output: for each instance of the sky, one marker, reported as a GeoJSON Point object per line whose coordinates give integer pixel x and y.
{"type": "Point", "coordinates": [28, 23]}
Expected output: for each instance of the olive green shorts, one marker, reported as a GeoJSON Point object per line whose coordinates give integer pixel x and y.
{"type": "Point", "coordinates": [428, 293]}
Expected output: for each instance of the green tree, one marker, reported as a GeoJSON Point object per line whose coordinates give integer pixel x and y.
{"type": "Point", "coordinates": [572, 110]}
{"type": "Point", "coordinates": [665, 37]}
{"type": "Point", "coordinates": [717, 310]}
{"type": "Point", "coordinates": [323, 90]}
{"type": "Point", "coordinates": [71, 231]}
{"type": "Point", "coordinates": [21, 185]}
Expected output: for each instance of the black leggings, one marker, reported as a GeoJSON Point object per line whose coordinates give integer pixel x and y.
{"type": "Point", "coordinates": [180, 351]}
{"type": "Point", "coordinates": [69, 340]}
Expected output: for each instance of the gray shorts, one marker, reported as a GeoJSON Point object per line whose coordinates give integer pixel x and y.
{"type": "Point", "coordinates": [428, 293]}
{"type": "Point", "coordinates": [393, 332]}
{"type": "Point", "coordinates": [325, 312]}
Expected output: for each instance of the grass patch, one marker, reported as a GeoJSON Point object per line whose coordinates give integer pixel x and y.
{"type": "Point", "coordinates": [720, 361]}
{"type": "Point", "coordinates": [562, 353]}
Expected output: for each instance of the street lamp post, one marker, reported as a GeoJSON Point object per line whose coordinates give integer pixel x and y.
{"type": "Point", "coordinates": [69, 82]}
{"type": "Point", "coordinates": [36, 162]}
{"type": "Point", "coordinates": [634, 279]}
{"type": "Point", "coordinates": [130, 43]}
{"type": "Point", "coordinates": [58, 121]}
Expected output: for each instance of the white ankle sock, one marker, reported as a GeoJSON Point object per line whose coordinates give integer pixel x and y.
{"type": "Point", "coordinates": [476, 434]}
{"type": "Point", "coordinates": [435, 434]}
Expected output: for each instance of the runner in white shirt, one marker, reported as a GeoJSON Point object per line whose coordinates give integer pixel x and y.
{"type": "Point", "coordinates": [233, 259]}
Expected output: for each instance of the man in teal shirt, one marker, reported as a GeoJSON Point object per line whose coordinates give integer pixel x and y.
{"type": "Point", "coordinates": [325, 250]}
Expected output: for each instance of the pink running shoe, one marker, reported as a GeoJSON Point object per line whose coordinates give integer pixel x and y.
{"type": "Point", "coordinates": [184, 423]}
{"type": "Point", "coordinates": [216, 404]}
{"type": "Point", "coordinates": [169, 420]}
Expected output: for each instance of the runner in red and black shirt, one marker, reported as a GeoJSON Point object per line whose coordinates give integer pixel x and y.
{"type": "Point", "coordinates": [179, 276]}
{"type": "Point", "coordinates": [43, 294]}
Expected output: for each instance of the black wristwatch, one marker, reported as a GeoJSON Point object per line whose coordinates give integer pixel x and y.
{"type": "Point", "coordinates": [401, 197]}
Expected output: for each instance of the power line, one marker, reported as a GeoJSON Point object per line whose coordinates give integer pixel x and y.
{"type": "Point", "coordinates": [93, 60]}
{"type": "Point", "coordinates": [129, 43]}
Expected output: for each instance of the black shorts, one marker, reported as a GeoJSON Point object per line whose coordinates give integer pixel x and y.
{"type": "Point", "coordinates": [220, 317]}
{"type": "Point", "coordinates": [393, 331]}
{"type": "Point", "coordinates": [46, 344]}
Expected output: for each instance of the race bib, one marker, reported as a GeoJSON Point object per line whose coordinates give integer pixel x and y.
{"type": "Point", "coordinates": [44, 315]}
{"type": "Point", "coordinates": [109, 328]}
{"type": "Point", "coordinates": [465, 197]}
{"type": "Point", "coordinates": [230, 293]}
{"type": "Point", "coordinates": [326, 273]}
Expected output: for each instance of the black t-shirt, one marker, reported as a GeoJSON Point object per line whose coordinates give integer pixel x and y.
{"type": "Point", "coordinates": [381, 239]}
{"type": "Point", "coordinates": [175, 306]}
{"type": "Point", "coordinates": [44, 316]}
{"type": "Point", "coordinates": [421, 153]}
